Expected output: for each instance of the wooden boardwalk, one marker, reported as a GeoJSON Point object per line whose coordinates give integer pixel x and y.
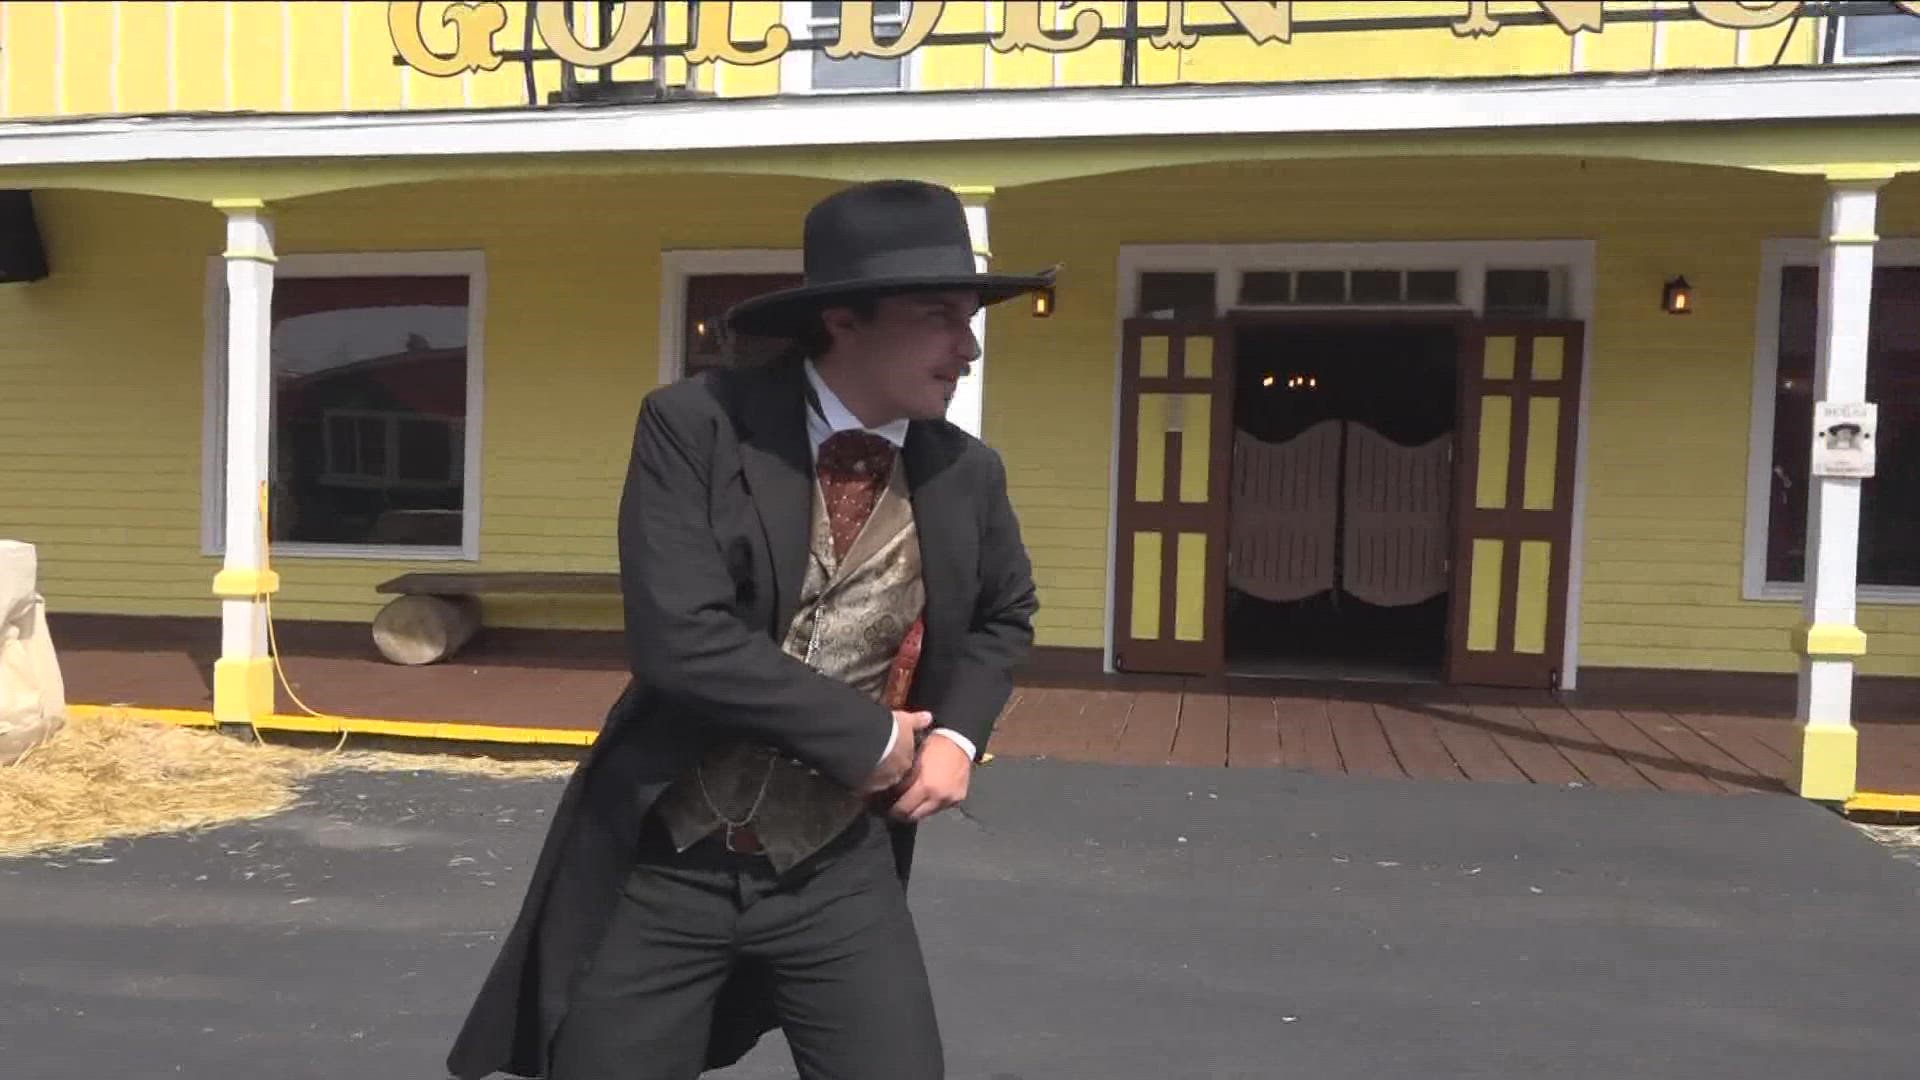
{"type": "Point", "coordinates": [1459, 740]}
{"type": "Point", "coordinates": [1653, 742]}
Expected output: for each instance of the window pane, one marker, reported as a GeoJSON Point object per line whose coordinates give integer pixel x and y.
{"type": "Point", "coordinates": [1890, 501]}
{"type": "Point", "coordinates": [1792, 425]}
{"type": "Point", "coordinates": [828, 11]}
{"type": "Point", "coordinates": [370, 443]}
{"type": "Point", "coordinates": [1433, 287]}
{"type": "Point", "coordinates": [1519, 292]}
{"type": "Point", "coordinates": [1321, 287]}
{"type": "Point", "coordinates": [862, 73]}
{"type": "Point", "coordinates": [1179, 295]}
{"type": "Point", "coordinates": [1266, 287]}
{"type": "Point", "coordinates": [1376, 286]}
{"type": "Point", "coordinates": [1894, 33]}
{"type": "Point", "coordinates": [361, 366]}
{"type": "Point", "coordinates": [707, 341]}
{"type": "Point", "coordinates": [425, 450]}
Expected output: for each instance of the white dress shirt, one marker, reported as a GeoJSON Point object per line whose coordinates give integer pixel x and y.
{"type": "Point", "coordinates": [831, 418]}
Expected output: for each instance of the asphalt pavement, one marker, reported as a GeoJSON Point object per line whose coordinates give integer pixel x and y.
{"type": "Point", "coordinates": [1080, 922]}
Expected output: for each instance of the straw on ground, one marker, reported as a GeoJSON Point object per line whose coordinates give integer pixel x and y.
{"type": "Point", "coordinates": [110, 777]}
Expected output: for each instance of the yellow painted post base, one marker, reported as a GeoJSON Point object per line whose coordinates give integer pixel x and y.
{"type": "Point", "coordinates": [1826, 771]}
{"type": "Point", "coordinates": [242, 690]}
{"type": "Point", "coordinates": [1830, 641]}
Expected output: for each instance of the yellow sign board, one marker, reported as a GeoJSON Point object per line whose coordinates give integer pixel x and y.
{"type": "Point", "coordinates": [468, 31]}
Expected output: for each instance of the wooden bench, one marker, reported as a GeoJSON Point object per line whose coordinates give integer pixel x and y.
{"type": "Point", "coordinates": [435, 614]}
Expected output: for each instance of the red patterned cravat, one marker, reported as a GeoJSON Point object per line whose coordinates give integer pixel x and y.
{"type": "Point", "coordinates": [853, 468]}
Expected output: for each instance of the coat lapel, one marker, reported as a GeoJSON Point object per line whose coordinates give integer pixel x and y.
{"type": "Point", "coordinates": [779, 467]}
{"type": "Point", "coordinates": [940, 516]}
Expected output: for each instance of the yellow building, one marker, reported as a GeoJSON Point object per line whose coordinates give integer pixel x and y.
{"type": "Point", "coordinates": [1480, 342]}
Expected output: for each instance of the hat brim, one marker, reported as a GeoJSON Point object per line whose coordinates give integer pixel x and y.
{"type": "Point", "coordinates": [784, 313]}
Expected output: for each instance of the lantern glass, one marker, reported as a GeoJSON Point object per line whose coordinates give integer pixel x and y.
{"type": "Point", "coordinates": [1677, 299]}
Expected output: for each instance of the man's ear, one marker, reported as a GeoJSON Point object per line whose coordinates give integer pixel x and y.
{"type": "Point", "coordinates": [836, 318]}
{"type": "Point", "coordinates": [838, 321]}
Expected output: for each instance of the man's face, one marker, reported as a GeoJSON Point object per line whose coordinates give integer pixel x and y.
{"type": "Point", "coordinates": [910, 356]}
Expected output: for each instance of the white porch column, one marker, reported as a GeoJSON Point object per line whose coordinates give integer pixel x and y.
{"type": "Point", "coordinates": [969, 398]}
{"type": "Point", "coordinates": [243, 676]}
{"type": "Point", "coordinates": [1829, 641]}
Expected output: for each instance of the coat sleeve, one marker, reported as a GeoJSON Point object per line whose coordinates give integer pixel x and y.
{"type": "Point", "coordinates": [684, 642]}
{"type": "Point", "coordinates": [1000, 631]}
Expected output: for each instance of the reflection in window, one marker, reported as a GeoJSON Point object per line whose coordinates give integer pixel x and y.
{"type": "Point", "coordinates": [1890, 500]}
{"type": "Point", "coordinates": [1519, 293]}
{"type": "Point", "coordinates": [1176, 294]}
{"type": "Point", "coordinates": [708, 342]}
{"type": "Point", "coordinates": [368, 445]}
{"type": "Point", "coordinates": [1892, 33]}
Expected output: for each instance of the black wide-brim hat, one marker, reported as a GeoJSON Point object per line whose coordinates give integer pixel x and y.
{"type": "Point", "coordinates": [889, 236]}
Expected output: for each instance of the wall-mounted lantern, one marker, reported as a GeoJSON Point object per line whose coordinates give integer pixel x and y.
{"type": "Point", "coordinates": [1677, 298]}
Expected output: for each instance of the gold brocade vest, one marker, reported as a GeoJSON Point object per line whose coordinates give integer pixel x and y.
{"type": "Point", "coordinates": [852, 618]}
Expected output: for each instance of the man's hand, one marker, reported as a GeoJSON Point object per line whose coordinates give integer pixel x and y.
{"type": "Point", "coordinates": [939, 781]}
{"type": "Point", "coordinates": [898, 763]}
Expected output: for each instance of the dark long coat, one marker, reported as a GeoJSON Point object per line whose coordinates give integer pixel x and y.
{"type": "Point", "coordinates": [713, 536]}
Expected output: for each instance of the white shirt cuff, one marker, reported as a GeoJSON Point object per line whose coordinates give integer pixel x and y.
{"type": "Point", "coordinates": [963, 742]}
{"type": "Point", "coordinates": [893, 732]}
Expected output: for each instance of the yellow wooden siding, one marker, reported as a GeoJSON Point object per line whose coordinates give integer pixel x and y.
{"type": "Point", "coordinates": [101, 379]}
{"type": "Point", "coordinates": [1667, 455]}
{"type": "Point", "coordinates": [61, 57]}
{"type": "Point", "coordinates": [197, 48]}
{"type": "Point", "coordinates": [100, 405]}
{"type": "Point", "coordinates": [100, 372]}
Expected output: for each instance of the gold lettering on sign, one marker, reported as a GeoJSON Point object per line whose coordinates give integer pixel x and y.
{"type": "Point", "coordinates": [713, 40]}
{"type": "Point", "coordinates": [1577, 15]}
{"type": "Point", "coordinates": [1572, 16]}
{"type": "Point", "coordinates": [473, 28]}
{"type": "Point", "coordinates": [1022, 31]}
{"type": "Point", "coordinates": [636, 19]}
{"type": "Point", "coordinates": [1175, 34]}
{"type": "Point", "coordinates": [1263, 20]}
{"type": "Point", "coordinates": [1739, 15]}
{"type": "Point", "coordinates": [1478, 23]}
{"type": "Point", "coordinates": [856, 30]}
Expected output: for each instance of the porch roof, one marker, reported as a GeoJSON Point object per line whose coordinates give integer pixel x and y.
{"type": "Point", "coordinates": [1797, 120]}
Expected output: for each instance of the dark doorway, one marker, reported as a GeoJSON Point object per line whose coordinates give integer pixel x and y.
{"type": "Point", "coordinates": [1341, 531]}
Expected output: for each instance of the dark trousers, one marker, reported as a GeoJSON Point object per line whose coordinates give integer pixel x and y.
{"type": "Point", "coordinates": [834, 935]}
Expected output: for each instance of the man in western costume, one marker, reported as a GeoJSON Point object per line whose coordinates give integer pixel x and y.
{"type": "Point", "coordinates": [826, 595]}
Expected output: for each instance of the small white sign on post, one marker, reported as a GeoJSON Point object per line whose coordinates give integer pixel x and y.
{"type": "Point", "coordinates": [1843, 438]}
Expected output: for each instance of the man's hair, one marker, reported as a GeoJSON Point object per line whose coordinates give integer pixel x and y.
{"type": "Point", "coordinates": [812, 339]}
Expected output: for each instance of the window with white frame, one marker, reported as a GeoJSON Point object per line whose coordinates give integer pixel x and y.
{"type": "Point", "coordinates": [1881, 35]}
{"type": "Point", "coordinates": [812, 70]}
{"type": "Point", "coordinates": [1517, 292]}
{"type": "Point", "coordinates": [372, 374]}
{"type": "Point", "coordinates": [1889, 547]}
